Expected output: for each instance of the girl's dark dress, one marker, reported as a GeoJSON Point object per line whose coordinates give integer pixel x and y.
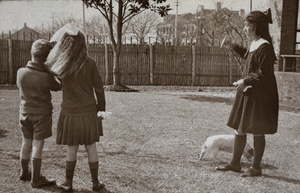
{"type": "Point", "coordinates": [256, 110]}
{"type": "Point", "coordinates": [83, 97]}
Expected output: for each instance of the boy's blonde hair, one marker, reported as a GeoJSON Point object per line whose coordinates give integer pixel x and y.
{"type": "Point", "coordinates": [41, 48]}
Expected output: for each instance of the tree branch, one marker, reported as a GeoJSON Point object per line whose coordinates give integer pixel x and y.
{"type": "Point", "coordinates": [131, 15]}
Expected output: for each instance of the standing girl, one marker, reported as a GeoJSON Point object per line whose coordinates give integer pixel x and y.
{"type": "Point", "coordinates": [83, 97]}
{"type": "Point", "coordinates": [255, 110]}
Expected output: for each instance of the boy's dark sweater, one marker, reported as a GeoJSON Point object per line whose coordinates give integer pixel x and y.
{"type": "Point", "coordinates": [35, 84]}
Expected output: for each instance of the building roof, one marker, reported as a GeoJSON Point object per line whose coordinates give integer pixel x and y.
{"type": "Point", "coordinates": [29, 33]}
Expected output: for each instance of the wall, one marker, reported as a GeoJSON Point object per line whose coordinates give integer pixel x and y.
{"type": "Point", "coordinates": [288, 30]}
{"type": "Point", "coordinates": [282, 31]}
{"type": "Point", "coordinates": [275, 28]}
{"type": "Point", "coordinates": [289, 88]}
{"type": "Point", "coordinates": [289, 26]}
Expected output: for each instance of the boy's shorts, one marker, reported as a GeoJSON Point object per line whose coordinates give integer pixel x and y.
{"type": "Point", "coordinates": [36, 126]}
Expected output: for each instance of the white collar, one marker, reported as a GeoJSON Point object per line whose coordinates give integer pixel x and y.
{"type": "Point", "coordinates": [256, 43]}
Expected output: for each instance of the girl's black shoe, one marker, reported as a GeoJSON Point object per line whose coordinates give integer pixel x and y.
{"type": "Point", "coordinates": [98, 186]}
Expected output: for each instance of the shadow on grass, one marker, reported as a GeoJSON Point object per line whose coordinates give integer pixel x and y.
{"type": "Point", "coordinates": [213, 99]}
{"type": "Point", "coordinates": [56, 189]}
{"type": "Point", "coordinates": [119, 88]}
{"type": "Point", "coordinates": [90, 191]}
{"type": "Point", "coordinates": [2, 133]}
{"type": "Point", "coordinates": [215, 163]}
{"type": "Point", "coordinates": [268, 166]}
{"type": "Point", "coordinates": [229, 101]}
{"type": "Point", "coordinates": [282, 178]}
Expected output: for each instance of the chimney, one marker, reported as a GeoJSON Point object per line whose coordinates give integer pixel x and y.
{"type": "Point", "coordinates": [25, 25]}
{"type": "Point", "coordinates": [219, 6]}
{"type": "Point", "coordinates": [200, 10]}
{"type": "Point", "coordinates": [242, 13]}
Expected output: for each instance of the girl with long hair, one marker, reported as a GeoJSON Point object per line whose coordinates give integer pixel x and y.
{"type": "Point", "coordinates": [83, 98]}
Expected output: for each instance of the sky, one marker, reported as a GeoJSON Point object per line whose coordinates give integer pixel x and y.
{"type": "Point", "coordinates": [14, 13]}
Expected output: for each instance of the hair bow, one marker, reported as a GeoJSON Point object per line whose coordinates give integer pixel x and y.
{"type": "Point", "coordinates": [268, 15]}
{"type": "Point", "coordinates": [68, 28]}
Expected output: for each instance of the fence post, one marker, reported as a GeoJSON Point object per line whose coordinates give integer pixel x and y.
{"type": "Point", "coordinates": [106, 64]}
{"type": "Point", "coordinates": [151, 64]}
{"type": "Point", "coordinates": [10, 61]}
{"type": "Point", "coordinates": [230, 68]}
{"type": "Point", "coordinates": [193, 65]}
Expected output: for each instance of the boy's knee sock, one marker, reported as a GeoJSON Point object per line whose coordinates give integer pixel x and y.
{"type": "Point", "coordinates": [94, 171]}
{"type": "Point", "coordinates": [36, 168]}
{"type": "Point", "coordinates": [259, 144]}
{"type": "Point", "coordinates": [24, 166]}
{"type": "Point", "coordinates": [238, 149]}
{"type": "Point", "coordinates": [70, 168]}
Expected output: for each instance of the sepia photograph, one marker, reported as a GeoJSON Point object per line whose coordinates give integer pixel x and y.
{"type": "Point", "coordinates": [144, 96]}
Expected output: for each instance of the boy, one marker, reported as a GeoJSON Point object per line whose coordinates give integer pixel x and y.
{"type": "Point", "coordinates": [35, 118]}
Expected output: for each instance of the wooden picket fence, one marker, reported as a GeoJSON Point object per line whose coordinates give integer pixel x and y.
{"type": "Point", "coordinates": [140, 65]}
{"type": "Point", "coordinates": [4, 62]}
{"type": "Point", "coordinates": [13, 55]}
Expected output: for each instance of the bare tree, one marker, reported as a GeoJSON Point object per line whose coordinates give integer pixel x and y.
{"type": "Point", "coordinates": [123, 11]}
{"type": "Point", "coordinates": [143, 25]}
{"type": "Point", "coordinates": [97, 26]}
{"type": "Point", "coordinates": [222, 23]}
{"type": "Point", "coordinates": [49, 28]}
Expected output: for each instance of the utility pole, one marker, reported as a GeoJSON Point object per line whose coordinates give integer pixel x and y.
{"type": "Point", "coordinates": [250, 5]}
{"type": "Point", "coordinates": [176, 17]}
{"type": "Point", "coordinates": [83, 18]}
{"type": "Point", "coordinates": [53, 23]}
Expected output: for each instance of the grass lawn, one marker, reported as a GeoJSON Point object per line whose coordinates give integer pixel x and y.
{"type": "Point", "coordinates": [151, 143]}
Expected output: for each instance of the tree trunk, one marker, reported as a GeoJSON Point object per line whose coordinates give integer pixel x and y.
{"type": "Point", "coordinates": [117, 45]}
{"type": "Point", "coordinates": [116, 72]}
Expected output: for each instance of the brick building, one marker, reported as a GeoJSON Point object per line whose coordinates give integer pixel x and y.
{"type": "Point", "coordinates": [166, 29]}
{"type": "Point", "coordinates": [194, 28]}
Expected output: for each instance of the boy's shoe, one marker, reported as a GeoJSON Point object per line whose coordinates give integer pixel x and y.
{"type": "Point", "coordinates": [251, 172]}
{"type": "Point", "coordinates": [229, 167]}
{"type": "Point", "coordinates": [42, 182]}
{"type": "Point", "coordinates": [26, 177]}
{"type": "Point", "coordinates": [98, 186]}
{"type": "Point", "coordinates": [66, 186]}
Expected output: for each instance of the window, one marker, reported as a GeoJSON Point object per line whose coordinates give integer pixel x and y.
{"type": "Point", "coordinates": [298, 33]}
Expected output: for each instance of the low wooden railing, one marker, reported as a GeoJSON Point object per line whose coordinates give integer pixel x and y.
{"type": "Point", "coordinates": [284, 63]}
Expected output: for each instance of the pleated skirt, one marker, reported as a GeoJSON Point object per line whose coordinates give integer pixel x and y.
{"type": "Point", "coordinates": [78, 129]}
